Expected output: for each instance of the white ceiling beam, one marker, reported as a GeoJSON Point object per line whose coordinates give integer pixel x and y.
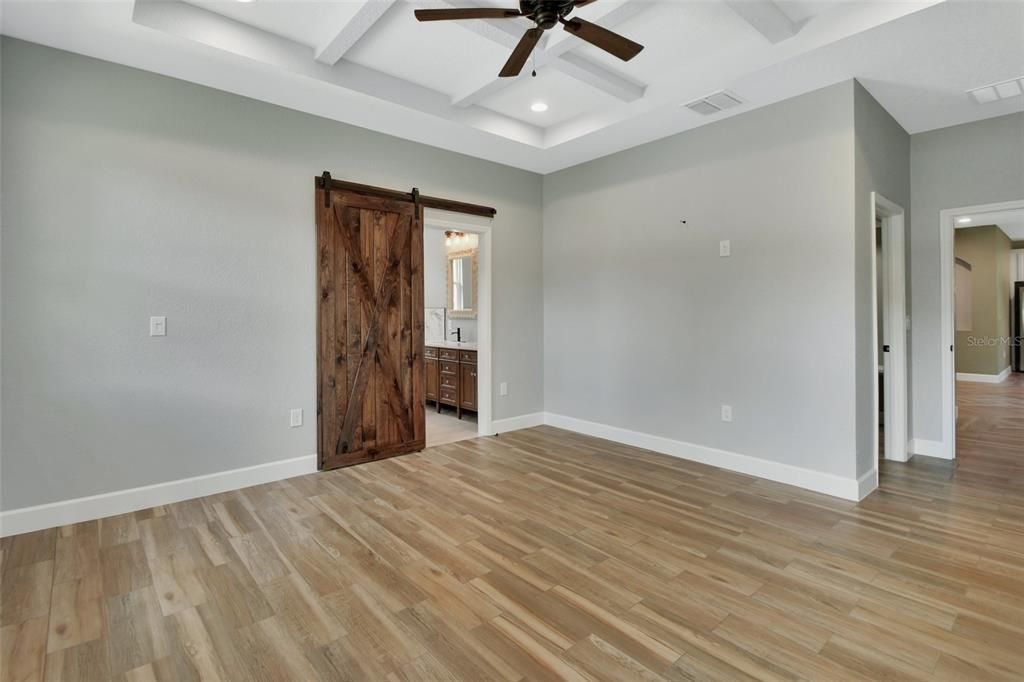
{"type": "Point", "coordinates": [556, 55]}
{"type": "Point", "coordinates": [597, 76]}
{"type": "Point", "coordinates": [766, 18]}
{"type": "Point", "coordinates": [355, 28]}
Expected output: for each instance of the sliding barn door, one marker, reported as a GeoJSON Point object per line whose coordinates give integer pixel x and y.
{"type": "Point", "coordinates": [369, 327]}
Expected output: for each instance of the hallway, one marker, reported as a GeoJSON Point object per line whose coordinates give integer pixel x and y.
{"type": "Point", "coordinates": [990, 432]}
{"type": "Point", "coordinates": [987, 476]}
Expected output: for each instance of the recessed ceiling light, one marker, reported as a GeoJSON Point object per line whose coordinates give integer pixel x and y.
{"type": "Point", "coordinates": [539, 107]}
{"type": "Point", "coordinates": [964, 221]}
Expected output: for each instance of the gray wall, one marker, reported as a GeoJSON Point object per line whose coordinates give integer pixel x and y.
{"type": "Point", "coordinates": [129, 194]}
{"type": "Point", "coordinates": [646, 328]}
{"type": "Point", "coordinates": [965, 165]}
{"type": "Point", "coordinates": [434, 283]}
{"type": "Point", "coordinates": [983, 348]}
{"type": "Point", "coordinates": [882, 158]}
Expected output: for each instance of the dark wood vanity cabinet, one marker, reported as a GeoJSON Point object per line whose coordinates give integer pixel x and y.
{"type": "Point", "coordinates": [467, 380]}
{"type": "Point", "coordinates": [430, 366]}
{"type": "Point", "coordinates": [451, 378]}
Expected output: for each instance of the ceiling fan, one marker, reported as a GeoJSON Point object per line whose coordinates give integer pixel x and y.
{"type": "Point", "coordinates": [546, 14]}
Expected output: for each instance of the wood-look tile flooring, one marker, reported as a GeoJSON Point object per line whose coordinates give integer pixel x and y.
{"type": "Point", "coordinates": [990, 430]}
{"type": "Point", "coordinates": [539, 555]}
{"type": "Point", "coordinates": [444, 427]}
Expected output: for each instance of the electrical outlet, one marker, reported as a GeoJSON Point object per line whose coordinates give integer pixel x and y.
{"type": "Point", "coordinates": [727, 413]}
{"type": "Point", "coordinates": [295, 418]}
{"type": "Point", "coordinates": [503, 388]}
{"type": "Point", "coordinates": [724, 248]}
{"type": "Point", "coordinates": [158, 326]}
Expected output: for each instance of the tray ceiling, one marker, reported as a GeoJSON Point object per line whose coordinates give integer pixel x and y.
{"type": "Point", "coordinates": [369, 62]}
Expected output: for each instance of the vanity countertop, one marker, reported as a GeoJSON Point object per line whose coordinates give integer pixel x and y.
{"type": "Point", "coordinates": [454, 345]}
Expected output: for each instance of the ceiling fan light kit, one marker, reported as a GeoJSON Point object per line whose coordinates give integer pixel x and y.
{"type": "Point", "coordinates": [545, 14]}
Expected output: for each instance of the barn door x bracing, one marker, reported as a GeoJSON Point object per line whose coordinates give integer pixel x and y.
{"type": "Point", "coordinates": [369, 325]}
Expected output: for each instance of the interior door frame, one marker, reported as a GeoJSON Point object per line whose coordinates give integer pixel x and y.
{"type": "Point", "coordinates": [947, 255]}
{"type": "Point", "coordinates": [1018, 326]}
{"type": "Point", "coordinates": [894, 332]}
{"type": "Point", "coordinates": [480, 226]}
{"type": "Point", "coordinates": [460, 215]}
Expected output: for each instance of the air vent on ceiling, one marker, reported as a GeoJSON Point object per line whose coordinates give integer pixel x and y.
{"type": "Point", "coordinates": [713, 103]}
{"type": "Point", "coordinates": [997, 91]}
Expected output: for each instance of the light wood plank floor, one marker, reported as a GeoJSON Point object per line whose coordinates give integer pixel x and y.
{"type": "Point", "coordinates": [539, 555]}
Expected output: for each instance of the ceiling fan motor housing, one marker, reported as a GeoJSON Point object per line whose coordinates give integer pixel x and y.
{"type": "Point", "coordinates": [546, 13]}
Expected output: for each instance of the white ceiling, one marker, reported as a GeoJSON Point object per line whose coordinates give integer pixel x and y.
{"type": "Point", "coordinates": [1010, 222]}
{"type": "Point", "coordinates": [370, 63]}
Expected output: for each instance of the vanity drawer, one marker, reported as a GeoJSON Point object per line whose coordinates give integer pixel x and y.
{"type": "Point", "coordinates": [430, 353]}
{"type": "Point", "coordinates": [449, 381]}
{"type": "Point", "coordinates": [448, 396]}
{"type": "Point", "coordinates": [449, 367]}
{"type": "Point", "coordinates": [467, 356]}
{"type": "Point", "coordinates": [448, 354]}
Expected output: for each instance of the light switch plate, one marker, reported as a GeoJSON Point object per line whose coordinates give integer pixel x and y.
{"type": "Point", "coordinates": [724, 248]}
{"type": "Point", "coordinates": [295, 418]}
{"type": "Point", "coordinates": [503, 388]}
{"type": "Point", "coordinates": [158, 326]}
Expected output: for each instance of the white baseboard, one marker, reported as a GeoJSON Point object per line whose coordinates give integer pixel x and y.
{"type": "Point", "coordinates": [818, 481]}
{"type": "Point", "coordinates": [27, 519]}
{"type": "Point", "coordinates": [523, 421]}
{"type": "Point", "coordinates": [866, 484]}
{"type": "Point", "coordinates": [985, 378]}
{"type": "Point", "coordinates": [929, 448]}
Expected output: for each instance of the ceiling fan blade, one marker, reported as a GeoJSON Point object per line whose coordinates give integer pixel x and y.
{"type": "Point", "coordinates": [522, 53]}
{"type": "Point", "coordinates": [581, 3]}
{"type": "Point", "coordinates": [466, 13]}
{"type": "Point", "coordinates": [609, 41]}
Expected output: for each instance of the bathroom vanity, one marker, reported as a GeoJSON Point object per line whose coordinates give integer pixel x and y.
{"type": "Point", "coordinates": [451, 375]}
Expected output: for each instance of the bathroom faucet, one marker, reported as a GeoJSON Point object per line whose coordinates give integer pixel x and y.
{"type": "Point", "coordinates": [457, 334]}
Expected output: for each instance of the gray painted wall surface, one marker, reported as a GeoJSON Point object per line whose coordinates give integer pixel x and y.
{"type": "Point", "coordinates": [434, 283]}
{"type": "Point", "coordinates": [128, 194]}
{"type": "Point", "coordinates": [646, 328]}
{"type": "Point", "coordinates": [197, 204]}
{"type": "Point", "coordinates": [882, 157]}
{"type": "Point", "coordinates": [983, 348]}
{"type": "Point", "coordinates": [965, 165]}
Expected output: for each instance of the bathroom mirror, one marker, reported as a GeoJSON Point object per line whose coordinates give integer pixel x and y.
{"type": "Point", "coordinates": [462, 284]}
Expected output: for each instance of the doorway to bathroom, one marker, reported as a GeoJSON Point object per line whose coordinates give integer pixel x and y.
{"type": "Point", "coordinates": [457, 328]}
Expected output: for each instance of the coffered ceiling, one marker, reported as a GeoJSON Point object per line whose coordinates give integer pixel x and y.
{"type": "Point", "coordinates": [370, 63]}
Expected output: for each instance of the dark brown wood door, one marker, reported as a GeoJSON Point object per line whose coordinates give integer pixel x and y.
{"type": "Point", "coordinates": [369, 328]}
